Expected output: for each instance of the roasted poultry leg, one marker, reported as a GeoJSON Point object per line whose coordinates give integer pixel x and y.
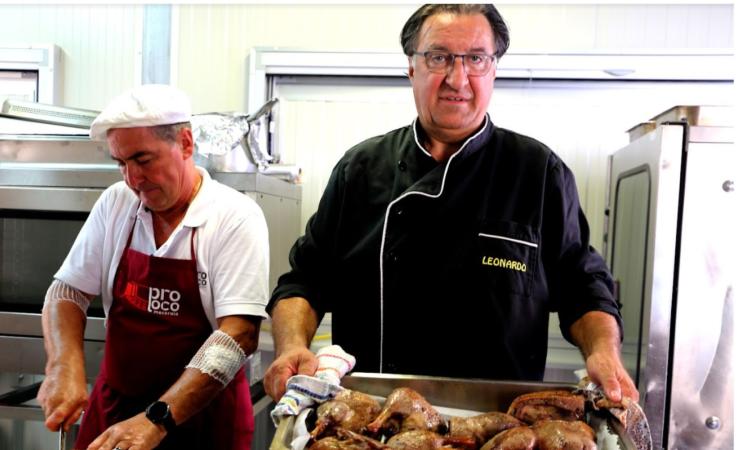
{"type": "Point", "coordinates": [405, 409]}
{"type": "Point", "coordinates": [427, 440]}
{"type": "Point", "coordinates": [350, 410]}
{"type": "Point", "coordinates": [542, 405]}
{"type": "Point", "coordinates": [483, 427]}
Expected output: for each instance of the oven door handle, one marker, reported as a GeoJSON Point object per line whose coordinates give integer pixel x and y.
{"type": "Point", "coordinates": [20, 395]}
{"type": "Point", "coordinates": [33, 198]}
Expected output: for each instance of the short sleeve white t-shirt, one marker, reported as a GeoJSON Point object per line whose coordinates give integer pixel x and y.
{"type": "Point", "coordinates": [231, 247]}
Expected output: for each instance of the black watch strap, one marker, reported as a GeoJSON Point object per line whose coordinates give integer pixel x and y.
{"type": "Point", "coordinates": [159, 413]}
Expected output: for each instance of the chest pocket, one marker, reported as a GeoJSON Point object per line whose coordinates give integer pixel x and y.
{"type": "Point", "coordinates": [507, 256]}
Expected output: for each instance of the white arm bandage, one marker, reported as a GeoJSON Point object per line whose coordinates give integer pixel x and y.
{"type": "Point", "coordinates": [61, 292]}
{"type": "Point", "coordinates": [220, 357]}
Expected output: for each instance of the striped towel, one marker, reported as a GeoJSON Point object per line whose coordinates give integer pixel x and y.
{"type": "Point", "coordinates": [303, 391]}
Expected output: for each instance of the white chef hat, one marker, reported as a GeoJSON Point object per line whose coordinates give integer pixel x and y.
{"type": "Point", "coordinates": [144, 106]}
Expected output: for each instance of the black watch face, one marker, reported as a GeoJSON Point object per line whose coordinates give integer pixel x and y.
{"type": "Point", "coordinates": [158, 411]}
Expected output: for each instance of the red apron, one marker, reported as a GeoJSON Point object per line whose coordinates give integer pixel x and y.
{"type": "Point", "coordinates": [154, 327]}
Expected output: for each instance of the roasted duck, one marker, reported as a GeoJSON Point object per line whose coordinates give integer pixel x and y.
{"type": "Point", "coordinates": [405, 409]}
{"type": "Point", "coordinates": [347, 440]}
{"type": "Point", "coordinates": [564, 435]}
{"type": "Point", "coordinates": [545, 435]}
{"type": "Point", "coordinates": [483, 427]}
{"type": "Point", "coordinates": [544, 420]}
{"type": "Point", "coordinates": [535, 406]}
{"type": "Point", "coordinates": [518, 438]}
{"type": "Point", "coordinates": [427, 440]}
{"type": "Point", "coordinates": [350, 410]}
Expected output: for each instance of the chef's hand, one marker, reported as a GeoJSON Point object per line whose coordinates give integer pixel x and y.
{"type": "Point", "coordinates": [136, 433]}
{"type": "Point", "coordinates": [605, 369]}
{"type": "Point", "coordinates": [296, 360]}
{"type": "Point", "coordinates": [63, 396]}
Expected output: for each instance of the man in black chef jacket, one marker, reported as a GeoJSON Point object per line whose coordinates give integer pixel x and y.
{"type": "Point", "coordinates": [442, 247]}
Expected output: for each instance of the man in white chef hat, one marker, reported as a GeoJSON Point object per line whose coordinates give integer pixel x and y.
{"type": "Point", "coordinates": [181, 264]}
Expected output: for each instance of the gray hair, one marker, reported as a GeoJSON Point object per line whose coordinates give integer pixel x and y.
{"type": "Point", "coordinates": [169, 132]}
{"type": "Point", "coordinates": [410, 32]}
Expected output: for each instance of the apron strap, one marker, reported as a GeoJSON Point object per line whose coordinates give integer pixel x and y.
{"type": "Point", "coordinates": [135, 220]}
{"type": "Point", "coordinates": [192, 245]}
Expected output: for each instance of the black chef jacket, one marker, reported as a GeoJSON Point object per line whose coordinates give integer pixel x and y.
{"type": "Point", "coordinates": [451, 268]}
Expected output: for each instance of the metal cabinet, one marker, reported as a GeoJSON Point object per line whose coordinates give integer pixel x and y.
{"type": "Point", "coordinates": [672, 245]}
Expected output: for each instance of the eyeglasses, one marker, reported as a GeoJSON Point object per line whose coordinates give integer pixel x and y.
{"type": "Point", "coordinates": [475, 64]}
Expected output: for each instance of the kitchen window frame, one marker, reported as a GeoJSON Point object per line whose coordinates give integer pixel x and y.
{"type": "Point", "coordinates": [45, 60]}
{"type": "Point", "coordinates": [643, 65]}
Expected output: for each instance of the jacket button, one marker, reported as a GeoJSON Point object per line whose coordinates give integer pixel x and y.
{"type": "Point", "coordinates": [401, 166]}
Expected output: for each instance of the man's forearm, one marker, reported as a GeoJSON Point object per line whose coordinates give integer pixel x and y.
{"type": "Point", "coordinates": [596, 331]}
{"type": "Point", "coordinates": [598, 336]}
{"type": "Point", "coordinates": [192, 392]}
{"type": "Point", "coordinates": [294, 323]}
{"type": "Point", "coordinates": [63, 325]}
{"type": "Point", "coordinates": [63, 395]}
{"type": "Point", "coordinates": [195, 389]}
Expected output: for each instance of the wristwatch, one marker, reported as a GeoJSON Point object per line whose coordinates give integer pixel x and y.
{"type": "Point", "coordinates": [159, 413]}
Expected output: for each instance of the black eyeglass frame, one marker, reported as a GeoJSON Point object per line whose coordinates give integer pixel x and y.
{"type": "Point", "coordinates": [451, 60]}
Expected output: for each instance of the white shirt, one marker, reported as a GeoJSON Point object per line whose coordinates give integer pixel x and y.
{"type": "Point", "coordinates": [231, 247]}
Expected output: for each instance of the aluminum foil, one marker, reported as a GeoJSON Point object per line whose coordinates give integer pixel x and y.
{"type": "Point", "coordinates": [217, 134]}
{"type": "Point", "coordinates": [234, 142]}
{"type": "Point", "coordinates": [257, 137]}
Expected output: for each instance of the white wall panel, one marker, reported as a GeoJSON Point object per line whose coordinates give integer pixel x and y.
{"type": "Point", "coordinates": [214, 41]}
{"type": "Point", "coordinates": [100, 45]}
{"type": "Point", "coordinates": [720, 27]}
{"type": "Point", "coordinates": [617, 26]}
{"type": "Point", "coordinates": [550, 27]}
{"type": "Point", "coordinates": [322, 121]}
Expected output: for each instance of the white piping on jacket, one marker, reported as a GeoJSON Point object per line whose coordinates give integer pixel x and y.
{"type": "Point", "coordinates": [388, 211]}
{"type": "Point", "coordinates": [505, 238]}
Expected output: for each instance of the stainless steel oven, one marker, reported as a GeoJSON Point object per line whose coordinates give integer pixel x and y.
{"type": "Point", "coordinates": [48, 185]}
{"type": "Point", "coordinates": [49, 181]}
{"type": "Point", "coordinates": [675, 203]}
{"type": "Point", "coordinates": [41, 213]}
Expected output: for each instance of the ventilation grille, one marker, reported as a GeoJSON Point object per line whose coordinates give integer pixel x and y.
{"type": "Point", "coordinates": [56, 115]}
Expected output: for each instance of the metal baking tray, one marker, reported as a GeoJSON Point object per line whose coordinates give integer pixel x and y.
{"type": "Point", "coordinates": [455, 393]}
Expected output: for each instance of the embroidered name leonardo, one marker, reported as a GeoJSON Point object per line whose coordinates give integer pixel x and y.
{"type": "Point", "coordinates": [504, 263]}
